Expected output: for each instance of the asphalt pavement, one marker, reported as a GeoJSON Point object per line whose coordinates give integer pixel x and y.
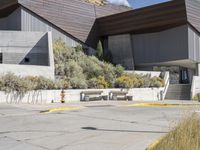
{"type": "Point", "coordinates": [91, 126]}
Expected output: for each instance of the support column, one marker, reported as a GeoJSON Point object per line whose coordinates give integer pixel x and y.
{"type": "Point", "coordinates": [197, 72]}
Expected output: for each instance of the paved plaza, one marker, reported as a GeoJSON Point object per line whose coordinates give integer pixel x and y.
{"type": "Point", "coordinates": [92, 126]}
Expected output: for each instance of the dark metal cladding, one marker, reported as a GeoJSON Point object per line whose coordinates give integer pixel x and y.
{"type": "Point", "coordinates": [73, 16]}
{"type": "Point", "coordinates": [87, 22]}
{"type": "Point", "coordinates": [149, 19]}
{"type": "Point", "coordinates": [193, 13]}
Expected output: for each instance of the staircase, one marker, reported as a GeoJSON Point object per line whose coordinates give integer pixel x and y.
{"type": "Point", "coordinates": [178, 92]}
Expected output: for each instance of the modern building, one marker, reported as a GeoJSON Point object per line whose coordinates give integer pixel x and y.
{"type": "Point", "coordinates": [28, 28]}
{"type": "Point", "coordinates": [163, 36]}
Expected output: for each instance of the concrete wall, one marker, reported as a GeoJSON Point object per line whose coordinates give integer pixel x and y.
{"type": "Point", "coordinates": [162, 46]}
{"type": "Point", "coordinates": [28, 70]}
{"type": "Point", "coordinates": [17, 46]}
{"type": "Point", "coordinates": [24, 20]}
{"type": "Point", "coordinates": [32, 22]}
{"type": "Point", "coordinates": [195, 89]}
{"type": "Point", "coordinates": [194, 44]}
{"type": "Point", "coordinates": [46, 96]}
{"type": "Point", "coordinates": [144, 50]}
{"type": "Point", "coordinates": [36, 46]}
{"type": "Point", "coordinates": [151, 73]}
{"type": "Point", "coordinates": [120, 47]}
{"type": "Point", "coordinates": [12, 22]}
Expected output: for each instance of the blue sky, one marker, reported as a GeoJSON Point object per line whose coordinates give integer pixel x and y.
{"type": "Point", "coordinates": [143, 3]}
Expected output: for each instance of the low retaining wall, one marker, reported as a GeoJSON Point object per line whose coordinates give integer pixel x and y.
{"type": "Point", "coordinates": [47, 96]}
{"type": "Point", "coordinates": [151, 73]}
{"type": "Point", "coordinates": [27, 70]}
{"type": "Point", "coordinates": [195, 89]}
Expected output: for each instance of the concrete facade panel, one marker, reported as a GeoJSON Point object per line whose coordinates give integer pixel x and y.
{"type": "Point", "coordinates": [120, 47]}
{"type": "Point", "coordinates": [162, 46]}
{"type": "Point", "coordinates": [12, 22]}
{"type": "Point", "coordinates": [17, 46]}
{"type": "Point", "coordinates": [26, 70]}
{"type": "Point", "coordinates": [194, 44]}
{"type": "Point", "coordinates": [32, 22]}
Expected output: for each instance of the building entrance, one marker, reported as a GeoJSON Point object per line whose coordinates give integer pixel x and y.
{"type": "Point", "coordinates": [184, 76]}
{"type": "Point", "coordinates": [178, 75]}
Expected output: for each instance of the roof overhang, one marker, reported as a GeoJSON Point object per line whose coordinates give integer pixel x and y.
{"type": "Point", "coordinates": [7, 7]}
{"type": "Point", "coordinates": [149, 19]}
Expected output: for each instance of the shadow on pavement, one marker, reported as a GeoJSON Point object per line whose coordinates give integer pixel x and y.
{"type": "Point", "coordinates": [109, 130]}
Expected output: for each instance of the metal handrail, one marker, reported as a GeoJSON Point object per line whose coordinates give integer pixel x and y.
{"type": "Point", "coordinates": [166, 79]}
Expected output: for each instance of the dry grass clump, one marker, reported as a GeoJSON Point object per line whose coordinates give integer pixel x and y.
{"type": "Point", "coordinates": [96, 2]}
{"type": "Point", "coordinates": [186, 136]}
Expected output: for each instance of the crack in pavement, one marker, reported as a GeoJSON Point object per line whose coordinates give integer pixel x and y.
{"type": "Point", "coordinates": [28, 141]}
{"type": "Point", "coordinates": [75, 141]}
{"type": "Point", "coordinates": [43, 131]}
{"type": "Point", "coordinates": [118, 120]}
{"type": "Point", "coordinates": [21, 141]}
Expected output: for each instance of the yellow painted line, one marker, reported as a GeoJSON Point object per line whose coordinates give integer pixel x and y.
{"type": "Point", "coordinates": [154, 144]}
{"type": "Point", "coordinates": [62, 109]}
{"type": "Point", "coordinates": [160, 104]}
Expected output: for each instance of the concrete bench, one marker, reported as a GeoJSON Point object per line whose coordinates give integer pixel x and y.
{"type": "Point", "coordinates": [120, 95]}
{"type": "Point", "coordinates": [91, 95]}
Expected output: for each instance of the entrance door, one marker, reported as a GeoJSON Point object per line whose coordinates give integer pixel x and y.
{"type": "Point", "coordinates": [184, 76]}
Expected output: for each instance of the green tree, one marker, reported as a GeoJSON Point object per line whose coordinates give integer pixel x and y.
{"type": "Point", "coordinates": [99, 52]}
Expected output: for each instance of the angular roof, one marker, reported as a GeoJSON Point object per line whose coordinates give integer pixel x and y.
{"type": "Point", "coordinates": [75, 17]}
{"type": "Point", "coordinates": [193, 13]}
{"type": "Point", "coordinates": [153, 18]}
{"type": "Point", "coordinates": [86, 22]}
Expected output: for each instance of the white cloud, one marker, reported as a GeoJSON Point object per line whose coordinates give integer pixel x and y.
{"type": "Point", "coordinates": [120, 2]}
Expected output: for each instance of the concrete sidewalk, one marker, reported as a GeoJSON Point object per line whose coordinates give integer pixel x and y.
{"type": "Point", "coordinates": [40, 107]}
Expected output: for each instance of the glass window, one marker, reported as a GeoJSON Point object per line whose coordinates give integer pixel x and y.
{"type": "Point", "coordinates": [1, 58]}
{"type": "Point", "coordinates": [27, 60]}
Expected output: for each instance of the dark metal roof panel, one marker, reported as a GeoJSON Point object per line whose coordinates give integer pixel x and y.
{"type": "Point", "coordinates": [149, 19]}
{"type": "Point", "coordinates": [193, 13]}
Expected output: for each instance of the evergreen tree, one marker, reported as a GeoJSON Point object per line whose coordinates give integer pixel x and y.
{"type": "Point", "coordinates": [99, 50]}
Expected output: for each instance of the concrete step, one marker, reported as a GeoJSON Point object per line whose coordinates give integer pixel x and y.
{"type": "Point", "coordinates": [178, 92]}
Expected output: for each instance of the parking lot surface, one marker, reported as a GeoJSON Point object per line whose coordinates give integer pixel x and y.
{"type": "Point", "coordinates": [91, 126]}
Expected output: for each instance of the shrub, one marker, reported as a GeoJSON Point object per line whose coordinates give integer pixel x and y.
{"type": "Point", "coordinates": [81, 70]}
{"type": "Point", "coordinates": [77, 83]}
{"type": "Point", "coordinates": [72, 62]}
{"type": "Point", "coordinates": [138, 81]}
{"type": "Point", "coordinates": [90, 68]}
{"type": "Point", "coordinates": [119, 70]}
{"type": "Point", "coordinates": [157, 82]}
{"type": "Point", "coordinates": [72, 69]}
{"type": "Point", "coordinates": [146, 81]}
{"type": "Point", "coordinates": [124, 82]}
{"type": "Point", "coordinates": [63, 54]}
{"type": "Point", "coordinates": [183, 137]}
{"type": "Point", "coordinates": [196, 97]}
{"type": "Point", "coordinates": [79, 48]}
{"type": "Point", "coordinates": [62, 84]}
{"type": "Point", "coordinates": [129, 81]}
{"type": "Point", "coordinates": [109, 74]}
{"type": "Point", "coordinates": [1, 83]}
{"type": "Point", "coordinates": [40, 83]}
{"type": "Point", "coordinates": [98, 83]}
{"type": "Point", "coordinates": [11, 83]}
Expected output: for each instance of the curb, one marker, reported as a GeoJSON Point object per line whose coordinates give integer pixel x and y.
{"type": "Point", "coordinates": [154, 144]}
{"type": "Point", "coordinates": [160, 104]}
{"type": "Point", "coordinates": [61, 109]}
